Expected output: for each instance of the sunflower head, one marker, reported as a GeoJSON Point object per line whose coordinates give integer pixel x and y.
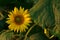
{"type": "Point", "coordinates": [18, 19]}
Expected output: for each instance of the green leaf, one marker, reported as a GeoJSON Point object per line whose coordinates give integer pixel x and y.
{"type": "Point", "coordinates": [42, 13]}
{"type": "Point", "coordinates": [38, 36]}
{"type": "Point", "coordinates": [56, 9]}
{"type": "Point", "coordinates": [6, 35]}
{"type": "Point", "coordinates": [10, 35]}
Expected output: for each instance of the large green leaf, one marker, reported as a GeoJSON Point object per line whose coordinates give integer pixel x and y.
{"type": "Point", "coordinates": [42, 13]}
{"type": "Point", "coordinates": [56, 9]}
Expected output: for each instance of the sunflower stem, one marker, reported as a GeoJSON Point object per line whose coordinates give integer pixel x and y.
{"type": "Point", "coordinates": [29, 31]}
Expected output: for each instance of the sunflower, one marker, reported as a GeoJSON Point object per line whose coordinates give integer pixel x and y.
{"type": "Point", "coordinates": [18, 19]}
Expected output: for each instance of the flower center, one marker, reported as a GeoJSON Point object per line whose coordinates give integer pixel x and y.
{"type": "Point", "coordinates": [19, 19]}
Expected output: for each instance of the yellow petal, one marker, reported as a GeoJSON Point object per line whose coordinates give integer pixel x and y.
{"type": "Point", "coordinates": [25, 12]}
{"type": "Point", "coordinates": [27, 15]}
{"type": "Point", "coordinates": [21, 10]}
{"type": "Point", "coordinates": [15, 10]}
{"type": "Point", "coordinates": [10, 13]}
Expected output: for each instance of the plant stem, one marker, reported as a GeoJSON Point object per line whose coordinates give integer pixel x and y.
{"type": "Point", "coordinates": [29, 31]}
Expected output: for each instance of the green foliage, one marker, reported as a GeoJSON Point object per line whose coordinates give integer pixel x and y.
{"type": "Point", "coordinates": [38, 36]}
{"type": "Point", "coordinates": [3, 20]}
{"type": "Point", "coordinates": [10, 35]}
{"type": "Point", "coordinates": [6, 35]}
{"type": "Point", "coordinates": [42, 13]}
{"type": "Point", "coordinates": [56, 9]}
